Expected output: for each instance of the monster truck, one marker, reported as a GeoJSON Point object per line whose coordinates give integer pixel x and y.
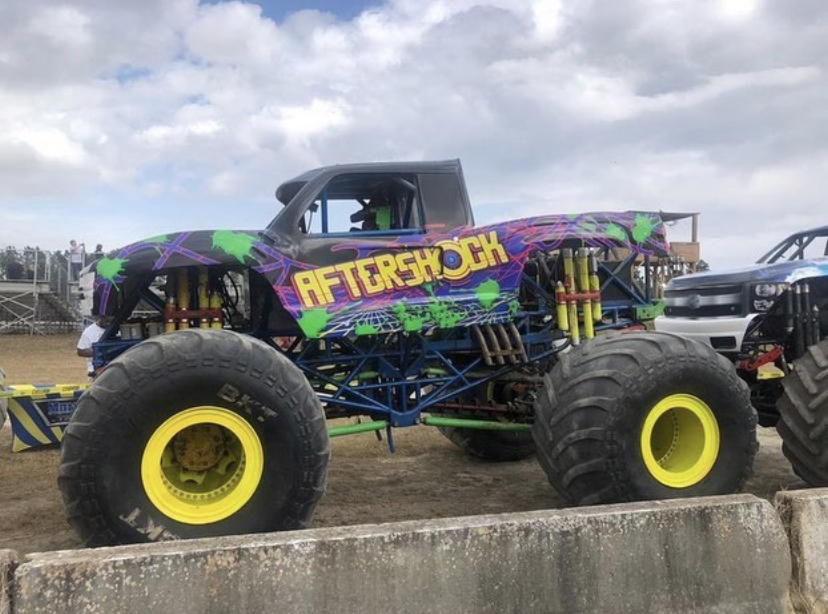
{"type": "Point", "coordinates": [373, 295]}
{"type": "Point", "coordinates": [770, 320]}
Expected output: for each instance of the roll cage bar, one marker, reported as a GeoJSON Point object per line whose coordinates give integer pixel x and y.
{"type": "Point", "coordinates": [800, 241]}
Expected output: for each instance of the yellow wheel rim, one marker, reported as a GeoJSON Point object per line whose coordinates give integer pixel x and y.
{"type": "Point", "coordinates": [680, 440]}
{"type": "Point", "coordinates": [202, 465]}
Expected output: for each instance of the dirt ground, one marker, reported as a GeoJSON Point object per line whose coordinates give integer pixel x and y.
{"type": "Point", "coordinates": [427, 477]}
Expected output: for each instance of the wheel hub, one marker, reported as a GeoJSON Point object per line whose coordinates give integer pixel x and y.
{"type": "Point", "coordinates": [680, 441]}
{"type": "Point", "coordinates": [199, 447]}
{"type": "Point", "coordinates": [202, 465]}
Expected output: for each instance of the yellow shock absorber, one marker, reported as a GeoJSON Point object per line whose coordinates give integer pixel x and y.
{"type": "Point", "coordinates": [563, 318]}
{"type": "Point", "coordinates": [215, 303]}
{"type": "Point", "coordinates": [203, 299]}
{"type": "Point", "coordinates": [569, 274]}
{"type": "Point", "coordinates": [583, 281]}
{"type": "Point", "coordinates": [595, 286]}
{"type": "Point", "coordinates": [574, 327]}
{"type": "Point", "coordinates": [183, 297]}
{"type": "Point", "coordinates": [169, 315]}
{"type": "Point", "coordinates": [571, 288]}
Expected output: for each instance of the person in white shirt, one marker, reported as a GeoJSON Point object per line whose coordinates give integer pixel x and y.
{"type": "Point", "coordinates": [76, 258]}
{"type": "Point", "coordinates": [91, 334]}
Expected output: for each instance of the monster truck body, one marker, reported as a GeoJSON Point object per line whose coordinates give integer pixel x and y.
{"type": "Point", "coordinates": [373, 294]}
{"type": "Point", "coordinates": [450, 288]}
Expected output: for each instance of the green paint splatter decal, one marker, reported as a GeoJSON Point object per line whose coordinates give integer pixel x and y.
{"type": "Point", "coordinates": [411, 318]}
{"type": "Point", "coordinates": [110, 268]}
{"type": "Point", "coordinates": [614, 231]}
{"type": "Point", "coordinates": [487, 293]}
{"type": "Point", "coordinates": [643, 229]}
{"type": "Point", "coordinates": [237, 244]}
{"type": "Point", "coordinates": [365, 329]}
{"type": "Point", "coordinates": [445, 314]}
{"type": "Point", "coordinates": [313, 321]}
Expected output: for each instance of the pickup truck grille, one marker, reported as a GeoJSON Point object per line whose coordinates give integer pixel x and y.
{"type": "Point", "coordinates": [706, 302]}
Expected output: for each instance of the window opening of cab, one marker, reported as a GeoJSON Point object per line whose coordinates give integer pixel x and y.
{"type": "Point", "coordinates": [443, 202]}
{"type": "Point", "coordinates": [359, 203]}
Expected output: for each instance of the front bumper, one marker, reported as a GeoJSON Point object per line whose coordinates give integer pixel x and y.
{"type": "Point", "coordinates": [723, 334]}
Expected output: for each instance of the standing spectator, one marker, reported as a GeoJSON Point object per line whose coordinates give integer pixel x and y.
{"type": "Point", "coordinates": [91, 335]}
{"type": "Point", "coordinates": [98, 253]}
{"type": "Point", "coordinates": [76, 254]}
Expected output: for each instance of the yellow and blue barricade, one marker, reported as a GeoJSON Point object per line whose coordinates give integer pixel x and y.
{"type": "Point", "coordinates": [39, 413]}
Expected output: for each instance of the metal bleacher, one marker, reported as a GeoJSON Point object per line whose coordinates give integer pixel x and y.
{"type": "Point", "coordinates": [37, 294]}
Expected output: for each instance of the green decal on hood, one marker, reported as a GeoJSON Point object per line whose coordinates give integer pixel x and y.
{"type": "Point", "coordinates": [643, 228]}
{"type": "Point", "coordinates": [237, 244]}
{"type": "Point", "coordinates": [614, 231]}
{"type": "Point", "coordinates": [110, 268]}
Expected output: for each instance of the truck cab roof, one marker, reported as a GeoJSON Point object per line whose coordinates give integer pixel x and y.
{"type": "Point", "coordinates": [287, 190]}
{"type": "Point", "coordinates": [429, 195]}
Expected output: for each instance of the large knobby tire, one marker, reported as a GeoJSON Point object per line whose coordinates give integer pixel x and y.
{"type": "Point", "coordinates": [497, 446]}
{"type": "Point", "coordinates": [194, 434]}
{"type": "Point", "coordinates": [803, 411]}
{"type": "Point", "coordinates": [644, 416]}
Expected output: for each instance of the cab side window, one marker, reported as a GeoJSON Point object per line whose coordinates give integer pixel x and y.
{"type": "Point", "coordinates": [443, 202]}
{"type": "Point", "coordinates": [359, 203]}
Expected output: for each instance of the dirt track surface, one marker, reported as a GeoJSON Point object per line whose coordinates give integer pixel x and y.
{"type": "Point", "coordinates": [428, 477]}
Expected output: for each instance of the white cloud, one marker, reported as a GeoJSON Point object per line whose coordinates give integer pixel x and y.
{"type": "Point", "coordinates": [155, 135]}
{"type": "Point", "coordinates": [50, 144]}
{"type": "Point", "coordinates": [737, 10]}
{"type": "Point", "coordinates": [64, 26]}
{"type": "Point", "coordinates": [166, 114]}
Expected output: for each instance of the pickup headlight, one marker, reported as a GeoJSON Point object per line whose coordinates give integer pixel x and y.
{"type": "Point", "coordinates": [764, 295]}
{"type": "Point", "coordinates": [768, 290]}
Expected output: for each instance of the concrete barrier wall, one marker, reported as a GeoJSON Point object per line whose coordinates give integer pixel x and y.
{"type": "Point", "coordinates": [722, 554]}
{"type": "Point", "coordinates": [8, 562]}
{"type": "Point", "coordinates": [805, 514]}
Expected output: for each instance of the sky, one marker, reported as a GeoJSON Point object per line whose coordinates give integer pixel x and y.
{"type": "Point", "coordinates": [123, 120]}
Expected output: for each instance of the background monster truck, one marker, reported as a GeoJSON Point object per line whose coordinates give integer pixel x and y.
{"type": "Point", "coordinates": [770, 320]}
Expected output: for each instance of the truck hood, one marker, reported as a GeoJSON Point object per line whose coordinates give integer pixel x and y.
{"type": "Point", "coordinates": [207, 247]}
{"type": "Point", "coordinates": [781, 272]}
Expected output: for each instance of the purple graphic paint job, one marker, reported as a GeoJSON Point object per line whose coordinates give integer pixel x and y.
{"type": "Point", "coordinates": [411, 282]}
